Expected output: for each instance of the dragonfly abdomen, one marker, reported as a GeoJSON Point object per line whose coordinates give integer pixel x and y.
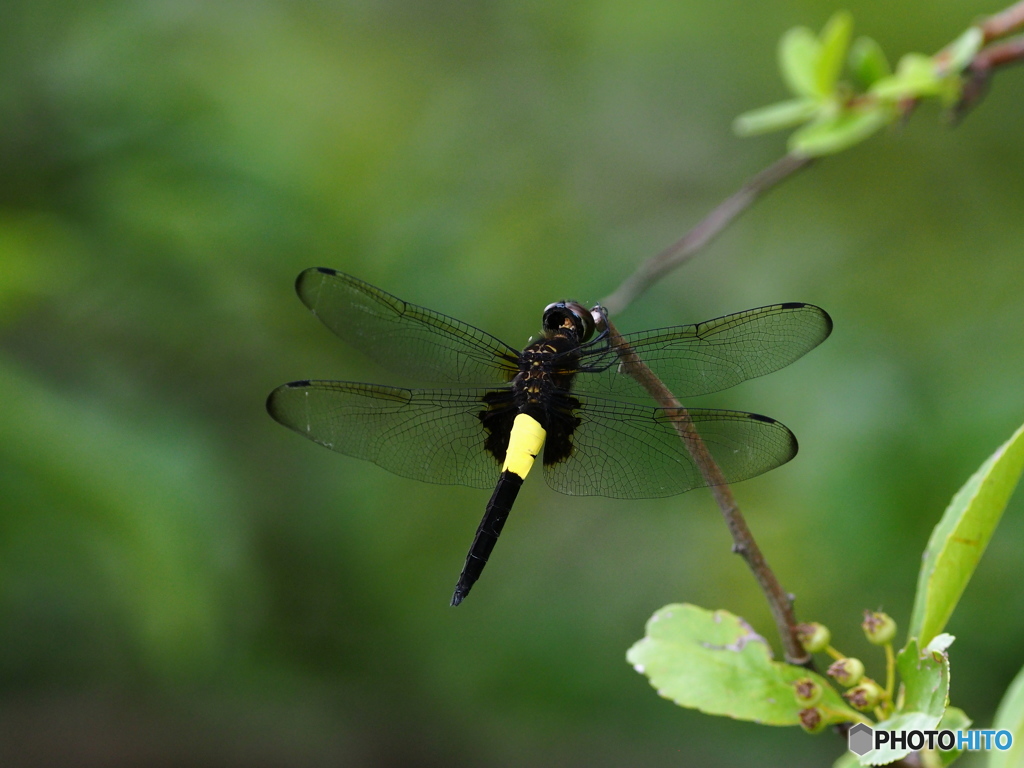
{"type": "Point", "coordinates": [525, 441]}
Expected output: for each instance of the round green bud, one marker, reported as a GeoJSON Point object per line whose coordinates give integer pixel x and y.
{"type": "Point", "coordinates": [812, 721]}
{"type": "Point", "coordinates": [814, 636]}
{"type": "Point", "coordinates": [808, 691]}
{"type": "Point", "coordinates": [847, 672]}
{"type": "Point", "coordinates": [879, 628]}
{"type": "Point", "coordinates": [864, 696]}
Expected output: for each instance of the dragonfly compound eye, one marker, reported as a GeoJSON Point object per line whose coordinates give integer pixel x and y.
{"type": "Point", "coordinates": [569, 314]}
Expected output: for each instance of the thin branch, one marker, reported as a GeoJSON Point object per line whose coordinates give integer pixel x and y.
{"type": "Point", "coordinates": [1009, 52]}
{"type": "Point", "coordinates": [687, 246]}
{"type": "Point", "coordinates": [779, 601]}
{"type": "Point", "coordinates": [1005, 22]}
{"type": "Point", "coordinates": [979, 72]}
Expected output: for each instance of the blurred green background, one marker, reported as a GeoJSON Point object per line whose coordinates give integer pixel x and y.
{"type": "Point", "coordinates": [183, 582]}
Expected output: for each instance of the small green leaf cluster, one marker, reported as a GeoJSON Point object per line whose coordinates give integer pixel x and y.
{"type": "Point", "coordinates": [835, 114]}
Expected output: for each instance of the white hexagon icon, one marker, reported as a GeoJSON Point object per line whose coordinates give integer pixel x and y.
{"type": "Point", "coordinates": [860, 739]}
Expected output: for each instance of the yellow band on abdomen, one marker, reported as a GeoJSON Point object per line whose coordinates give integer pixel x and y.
{"type": "Point", "coordinates": [524, 445]}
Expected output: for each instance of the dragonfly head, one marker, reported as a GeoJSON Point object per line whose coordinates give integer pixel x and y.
{"type": "Point", "coordinates": [568, 315]}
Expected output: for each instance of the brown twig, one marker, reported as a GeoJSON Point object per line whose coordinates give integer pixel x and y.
{"type": "Point", "coordinates": [979, 72]}
{"type": "Point", "coordinates": [780, 603]}
{"type": "Point", "coordinates": [1008, 52]}
{"type": "Point", "coordinates": [710, 226]}
{"type": "Point", "coordinates": [1005, 22]}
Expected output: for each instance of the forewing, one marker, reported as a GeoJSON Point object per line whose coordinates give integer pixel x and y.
{"type": "Point", "coordinates": [630, 451]}
{"type": "Point", "coordinates": [403, 337]}
{"type": "Point", "coordinates": [708, 357]}
{"type": "Point", "coordinates": [433, 435]}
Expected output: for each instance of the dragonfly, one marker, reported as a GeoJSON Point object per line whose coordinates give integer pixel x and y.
{"type": "Point", "coordinates": [569, 398]}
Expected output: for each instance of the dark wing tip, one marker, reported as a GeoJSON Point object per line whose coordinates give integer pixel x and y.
{"type": "Point", "coordinates": [794, 446]}
{"type": "Point", "coordinates": [826, 319]}
{"type": "Point", "coordinates": [311, 274]}
{"type": "Point", "coordinates": [274, 399]}
{"type": "Point", "coordinates": [828, 322]}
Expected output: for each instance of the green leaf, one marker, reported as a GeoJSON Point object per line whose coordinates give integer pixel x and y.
{"type": "Point", "coordinates": [775, 117]}
{"type": "Point", "coordinates": [925, 680]}
{"type": "Point", "coordinates": [1010, 717]}
{"type": "Point", "coordinates": [713, 661]}
{"type": "Point", "coordinates": [799, 51]}
{"type": "Point", "coordinates": [834, 134]}
{"type": "Point", "coordinates": [954, 719]}
{"type": "Point", "coordinates": [961, 51]}
{"type": "Point", "coordinates": [916, 76]}
{"type": "Point", "coordinates": [835, 39]}
{"type": "Point", "coordinates": [868, 62]}
{"type": "Point", "coordinates": [959, 540]}
{"type": "Point", "coordinates": [846, 760]}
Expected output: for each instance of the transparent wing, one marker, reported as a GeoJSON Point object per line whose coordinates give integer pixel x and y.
{"type": "Point", "coordinates": [708, 357]}
{"type": "Point", "coordinates": [630, 451]}
{"type": "Point", "coordinates": [403, 337]}
{"type": "Point", "coordinates": [433, 435]}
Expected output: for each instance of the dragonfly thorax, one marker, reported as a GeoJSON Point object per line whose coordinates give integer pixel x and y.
{"type": "Point", "coordinates": [546, 367]}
